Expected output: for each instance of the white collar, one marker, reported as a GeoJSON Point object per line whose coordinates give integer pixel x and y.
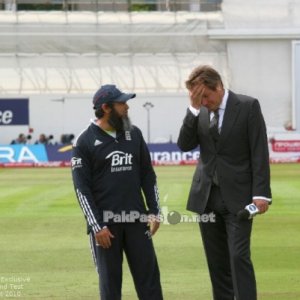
{"type": "Point", "coordinates": [224, 100]}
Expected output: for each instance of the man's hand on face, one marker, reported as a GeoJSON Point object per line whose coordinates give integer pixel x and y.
{"type": "Point", "coordinates": [196, 95]}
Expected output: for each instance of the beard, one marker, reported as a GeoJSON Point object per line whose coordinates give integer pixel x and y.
{"type": "Point", "coordinates": [119, 123]}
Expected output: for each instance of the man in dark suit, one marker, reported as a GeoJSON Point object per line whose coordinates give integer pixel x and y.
{"type": "Point", "coordinates": [233, 171]}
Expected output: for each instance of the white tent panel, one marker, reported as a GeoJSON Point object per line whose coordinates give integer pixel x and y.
{"type": "Point", "coordinates": [260, 13]}
{"type": "Point", "coordinates": [264, 74]}
{"type": "Point", "coordinates": [68, 73]}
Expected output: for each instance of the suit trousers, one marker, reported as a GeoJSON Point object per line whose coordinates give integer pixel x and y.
{"type": "Point", "coordinates": [131, 238]}
{"type": "Point", "coordinates": [227, 247]}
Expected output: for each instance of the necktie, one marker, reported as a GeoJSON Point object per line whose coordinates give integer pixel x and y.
{"type": "Point", "coordinates": [214, 131]}
{"type": "Point", "coordinates": [214, 126]}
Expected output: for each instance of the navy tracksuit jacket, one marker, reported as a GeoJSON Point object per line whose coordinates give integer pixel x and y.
{"type": "Point", "coordinates": [110, 174]}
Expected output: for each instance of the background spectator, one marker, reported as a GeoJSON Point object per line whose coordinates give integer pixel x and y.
{"type": "Point", "coordinates": [66, 138]}
{"type": "Point", "coordinates": [43, 139]}
{"type": "Point", "coordinates": [21, 139]}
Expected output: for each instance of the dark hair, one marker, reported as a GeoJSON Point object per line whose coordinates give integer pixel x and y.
{"type": "Point", "coordinates": [204, 74]}
{"type": "Point", "coordinates": [99, 113]}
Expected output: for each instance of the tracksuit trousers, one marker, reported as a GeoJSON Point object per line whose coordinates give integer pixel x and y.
{"type": "Point", "coordinates": [134, 240]}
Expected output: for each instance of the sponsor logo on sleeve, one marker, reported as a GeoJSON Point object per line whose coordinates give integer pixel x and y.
{"type": "Point", "coordinates": [76, 162]}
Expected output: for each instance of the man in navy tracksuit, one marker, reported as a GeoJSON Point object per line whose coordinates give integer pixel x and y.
{"type": "Point", "coordinates": [116, 188]}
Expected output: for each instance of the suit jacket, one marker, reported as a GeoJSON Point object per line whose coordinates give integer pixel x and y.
{"type": "Point", "coordinates": [241, 156]}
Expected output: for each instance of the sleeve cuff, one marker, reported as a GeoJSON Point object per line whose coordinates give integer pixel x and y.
{"type": "Point", "coordinates": [194, 111]}
{"type": "Point", "coordinates": [262, 198]}
{"type": "Point", "coordinates": [98, 228]}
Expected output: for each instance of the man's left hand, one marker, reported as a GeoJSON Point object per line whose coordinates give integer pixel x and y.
{"type": "Point", "coordinates": [262, 205]}
{"type": "Point", "coordinates": [154, 224]}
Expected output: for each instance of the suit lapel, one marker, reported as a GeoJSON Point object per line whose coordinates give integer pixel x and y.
{"type": "Point", "coordinates": [231, 112]}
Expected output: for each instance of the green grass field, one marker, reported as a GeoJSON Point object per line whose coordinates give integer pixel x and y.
{"type": "Point", "coordinates": [44, 252]}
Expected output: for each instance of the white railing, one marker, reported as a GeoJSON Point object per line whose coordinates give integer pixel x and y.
{"type": "Point", "coordinates": [112, 5]}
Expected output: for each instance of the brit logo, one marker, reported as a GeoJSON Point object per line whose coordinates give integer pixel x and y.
{"type": "Point", "coordinates": [120, 161]}
{"type": "Point", "coordinates": [76, 162]}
